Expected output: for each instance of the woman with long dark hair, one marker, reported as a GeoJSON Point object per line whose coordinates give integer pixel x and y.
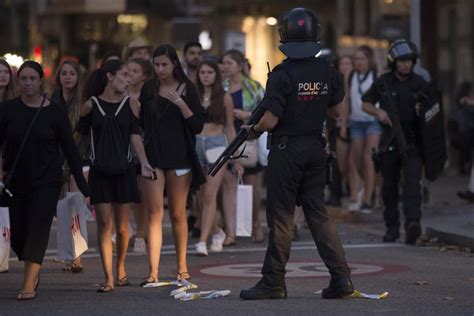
{"type": "Point", "coordinates": [112, 118]}
{"type": "Point", "coordinates": [68, 94]}
{"type": "Point", "coordinates": [35, 169]}
{"type": "Point", "coordinates": [218, 128]}
{"type": "Point", "coordinates": [171, 116]}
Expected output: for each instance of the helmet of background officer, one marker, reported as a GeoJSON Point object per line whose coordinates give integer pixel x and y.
{"type": "Point", "coordinates": [299, 33]}
{"type": "Point", "coordinates": [192, 54]}
{"type": "Point", "coordinates": [402, 56]}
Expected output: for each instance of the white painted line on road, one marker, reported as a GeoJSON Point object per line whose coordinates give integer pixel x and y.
{"type": "Point", "coordinates": [169, 249]}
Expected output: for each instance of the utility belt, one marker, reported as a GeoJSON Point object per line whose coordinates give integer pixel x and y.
{"type": "Point", "coordinates": [282, 139]}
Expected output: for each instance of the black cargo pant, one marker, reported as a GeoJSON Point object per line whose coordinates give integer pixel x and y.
{"type": "Point", "coordinates": [296, 174]}
{"type": "Point", "coordinates": [409, 167]}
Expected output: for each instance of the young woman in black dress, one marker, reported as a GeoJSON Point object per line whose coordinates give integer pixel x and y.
{"type": "Point", "coordinates": [68, 94]}
{"type": "Point", "coordinates": [112, 193]}
{"type": "Point", "coordinates": [171, 116]}
{"type": "Point", "coordinates": [37, 178]}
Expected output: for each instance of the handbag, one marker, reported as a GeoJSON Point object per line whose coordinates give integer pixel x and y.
{"type": "Point", "coordinates": [249, 154]}
{"type": "Point", "coordinates": [213, 154]}
{"type": "Point", "coordinates": [7, 194]}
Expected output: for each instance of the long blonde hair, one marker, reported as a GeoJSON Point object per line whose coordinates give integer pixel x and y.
{"type": "Point", "coordinates": [73, 103]}
{"type": "Point", "coordinates": [10, 90]}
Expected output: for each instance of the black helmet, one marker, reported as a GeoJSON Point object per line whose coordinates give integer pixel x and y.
{"type": "Point", "coordinates": [299, 33]}
{"type": "Point", "coordinates": [402, 49]}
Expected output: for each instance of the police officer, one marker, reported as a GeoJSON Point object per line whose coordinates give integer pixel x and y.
{"type": "Point", "coordinates": [400, 155]}
{"type": "Point", "coordinates": [301, 91]}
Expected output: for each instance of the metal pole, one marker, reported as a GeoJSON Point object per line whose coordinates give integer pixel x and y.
{"type": "Point", "coordinates": [415, 22]}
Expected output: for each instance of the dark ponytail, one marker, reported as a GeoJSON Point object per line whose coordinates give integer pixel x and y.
{"type": "Point", "coordinates": [97, 81]}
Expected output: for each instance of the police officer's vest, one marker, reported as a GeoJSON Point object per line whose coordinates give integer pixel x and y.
{"type": "Point", "coordinates": [309, 99]}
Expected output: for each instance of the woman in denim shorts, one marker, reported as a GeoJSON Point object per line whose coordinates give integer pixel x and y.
{"type": "Point", "coordinates": [365, 133]}
{"type": "Point", "coordinates": [209, 145]}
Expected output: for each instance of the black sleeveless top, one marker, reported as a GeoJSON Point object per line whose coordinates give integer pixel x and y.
{"type": "Point", "coordinates": [128, 122]}
{"type": "Point", "coordinates": [168, 137]}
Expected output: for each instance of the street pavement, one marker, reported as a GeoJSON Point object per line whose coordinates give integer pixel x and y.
{"type": "Point", "coordinates": [428, 279]}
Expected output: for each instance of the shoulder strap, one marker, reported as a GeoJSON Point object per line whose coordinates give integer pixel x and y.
{"type": "Point", "coordinates": [26, 137]}
{"type": "Point", "coordinates": [121, 104]}
{"type": "Point", "coordinates": [98, 105]}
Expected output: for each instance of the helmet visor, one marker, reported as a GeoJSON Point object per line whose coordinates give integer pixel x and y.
{"type": "Point", "coordinates": [402, 50]}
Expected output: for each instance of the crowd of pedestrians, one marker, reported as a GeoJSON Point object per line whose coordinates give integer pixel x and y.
{"type": "Point", "coordinates": [148, 125]}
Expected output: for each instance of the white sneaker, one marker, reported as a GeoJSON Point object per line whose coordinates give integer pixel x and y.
{"type": "Point", "coordinates": [201, 249]}
{"type": "Point", "coordinates": [218, 241]}
{"type": "Point", "coordinates": [139, 246]}
{"type": "Point", "coordinates": [353, 206]}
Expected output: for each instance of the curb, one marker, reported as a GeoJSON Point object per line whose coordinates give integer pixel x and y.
{"type": "Point", "coordinates": [450, 238]}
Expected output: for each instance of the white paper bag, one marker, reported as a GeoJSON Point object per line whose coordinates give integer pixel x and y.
{"type": "Point", "coordinates": [72, 226]}
{"type": "Point", "coordinates": [243, 214]}
{"type": "Point", "coordinates": [262, 149]}
{"type": "Point", "coordinates": [4, 238]}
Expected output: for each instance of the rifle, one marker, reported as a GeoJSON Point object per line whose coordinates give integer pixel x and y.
{"type": "Point", "coordinates": [241, 137]}
{"type": "Point", "coordinates": [396, 132]}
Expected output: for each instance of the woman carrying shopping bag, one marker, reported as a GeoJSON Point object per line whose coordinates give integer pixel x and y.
{"type": "Point", "coordinates": [111, 117]}
{"type": "Point", "coordinates": [34, 130]}
{"type": "Point", "coordinates": [68, 94]}
{"type": "Point", "coordinates": [246, 95]}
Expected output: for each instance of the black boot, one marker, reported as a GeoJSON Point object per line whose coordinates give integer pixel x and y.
{"type": "Point", "coordinates": [412, 232]}
{"type": "Point", "coordinates": [262, 291]}
{"type": "Point", "coordinates": [391, 235]}
{"type": "Point", "coordinates": [338, 288]}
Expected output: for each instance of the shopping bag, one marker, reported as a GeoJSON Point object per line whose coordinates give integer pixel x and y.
{"type": "Point", "coordinates": [243, 214]}
{"type": "Point", "coordinates": [72, 226]}
{"type": "Point", "coordinates": [4, 238]}
{"type": "Point", "coordinates": [262, 149]}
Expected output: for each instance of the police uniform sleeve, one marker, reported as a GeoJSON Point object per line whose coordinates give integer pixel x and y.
{"type": "Point", "coordinates": [337, 86]}
{"type": "Point", "coordinates": [278, 87]}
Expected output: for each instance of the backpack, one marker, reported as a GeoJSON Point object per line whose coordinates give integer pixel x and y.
{"type": "Point", "coordinates": [109, 156]}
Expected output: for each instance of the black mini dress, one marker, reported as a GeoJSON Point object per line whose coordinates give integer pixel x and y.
{"type": "Point", "coordinates": [107, 188]}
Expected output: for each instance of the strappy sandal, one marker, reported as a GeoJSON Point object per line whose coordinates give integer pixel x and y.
{"type": "Point", "coordinates": [183, 276]}
{"type": "Point", "coordinates": [148, 280]}
{"type": "Point", "coordinates": [230, 241]}
{"type": "Point", "coordinates": [25, 296]}
{"type": "Point", "coordinates": [105, 289]}
{"type": "Point", "coordinates": [75, 268]}
{"type": "Point", "coordinates": [123, 281]}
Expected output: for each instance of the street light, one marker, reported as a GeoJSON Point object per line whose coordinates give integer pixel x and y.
{"type": "Point", "coordinates": [272, 21]}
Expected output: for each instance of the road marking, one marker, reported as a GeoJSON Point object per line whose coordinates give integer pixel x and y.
{"type": "Point", "coordinates": [293, 270]}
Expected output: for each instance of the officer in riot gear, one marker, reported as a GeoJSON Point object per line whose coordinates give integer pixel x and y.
{"type": "Point", "coordinates": [399, 149]}
{"type": "Point", "coordinates": [300, 93]}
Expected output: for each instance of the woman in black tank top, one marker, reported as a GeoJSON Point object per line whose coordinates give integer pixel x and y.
{"type": "Point", "coordinates": [112, 193]}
